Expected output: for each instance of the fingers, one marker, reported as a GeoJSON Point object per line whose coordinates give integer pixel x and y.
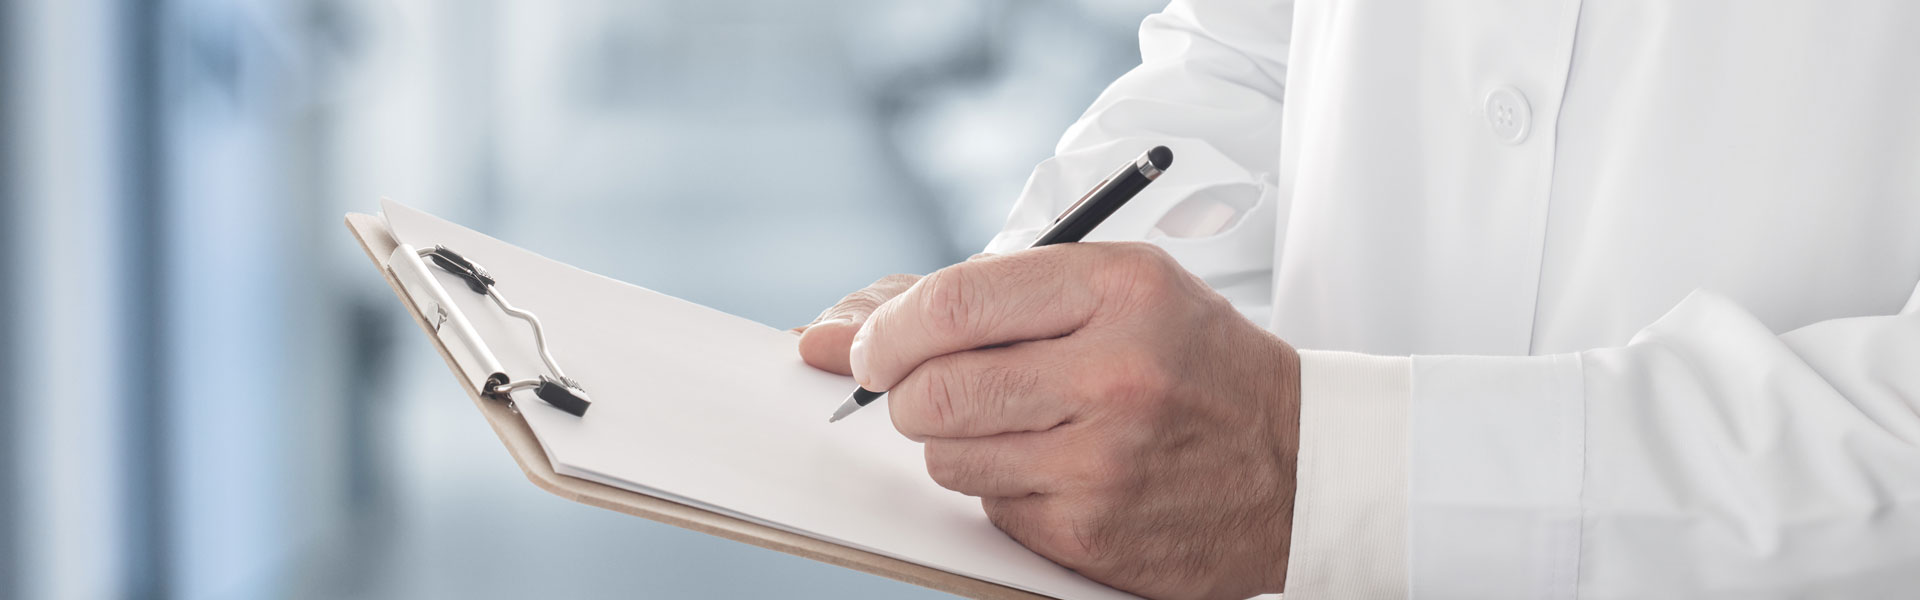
{"type": "Point", "coordinates": [824, 342]}
{"type": "Point", "coordinates": [986, 392]}
{"type": "Point", "coordinates": [1030, 295]}
{"type": "Point", "coordinates": [1008, 465]}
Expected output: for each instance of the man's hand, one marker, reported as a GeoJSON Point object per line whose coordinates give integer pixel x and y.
{"type": "Point", "coordinates": [1111, 412]}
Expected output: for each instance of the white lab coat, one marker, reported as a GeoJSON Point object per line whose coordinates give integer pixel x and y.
{"type": "Point", "coordinates": [1655, 265]}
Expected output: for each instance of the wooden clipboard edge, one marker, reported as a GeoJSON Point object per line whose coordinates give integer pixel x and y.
{"type": "Point", "coordinates": [514, 433]}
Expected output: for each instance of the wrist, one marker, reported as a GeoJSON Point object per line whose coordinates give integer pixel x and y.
{"type": "Point", "coordinates": [1286, 428]}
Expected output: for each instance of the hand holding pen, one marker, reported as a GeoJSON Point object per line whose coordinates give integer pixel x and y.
{"type": "Point", "coordinates": [1071, 226]}
{"type": "Point", "coordinates": [1106, 406]}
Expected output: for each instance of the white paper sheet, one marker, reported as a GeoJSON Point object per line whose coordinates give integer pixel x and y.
{"type": "Point", "coordinates": [708, 409]}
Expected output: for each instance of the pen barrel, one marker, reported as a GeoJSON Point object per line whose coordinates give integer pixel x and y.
{"type": "Point", "coordinates": [1071, 226]}
{"type": "Point", "coordinates": [1100, 203]}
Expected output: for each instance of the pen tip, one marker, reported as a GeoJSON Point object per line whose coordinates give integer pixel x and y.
{"type": "Point", "coordinates": [845, 409]}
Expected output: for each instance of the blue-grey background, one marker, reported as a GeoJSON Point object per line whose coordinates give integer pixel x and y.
{"type": "Point", "coordinates": [210, 394]}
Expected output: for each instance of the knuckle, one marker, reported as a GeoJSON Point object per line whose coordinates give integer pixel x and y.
{"type": "Point", "coordinates": [953, 395]}
{"type": "Point", "coordinates": [951, 297]}
{"type": "Point", "coordinates": [1126, 375]}
{"type": "Point", "coordinates": [1148, 376]}
{"type": "Point", "coordinates": [864, 300]}
{"type": "Point", "coordinates": [1144, 256]}
{"type": "Point", "coordinates": [892, 285]}
{"type": "Point", "coordinates": [994, 389]}
{"type": "Point", "coordinates": [1149, 252]}
{"type": "Point", "coordinates": [931, 400]}
{"type": "Point", "coordinates": [1140, 270]}
{"type": "Point", "coordinates": [868, 299]}
{"type": "Point", "coordinates": [942, 402]}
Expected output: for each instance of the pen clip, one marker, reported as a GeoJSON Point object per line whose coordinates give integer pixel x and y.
{"type": "Point", "coordinates": [1090, 193]}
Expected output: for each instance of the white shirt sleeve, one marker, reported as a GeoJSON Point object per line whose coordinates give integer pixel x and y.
{"type": "Point", "coordinates": [1350, 494]}
{"type": "Point", "coordinates": [1209, 87]}
{"type": "Point", "coordinates": [1709, 457]}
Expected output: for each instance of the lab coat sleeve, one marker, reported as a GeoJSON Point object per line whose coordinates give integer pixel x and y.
{"type": "Point", "coordinates": [1350, 495]}
{"type": "Point", "coordinates": [1708, 457]}
{"type": "Point", "coordinates": [1208, 87]}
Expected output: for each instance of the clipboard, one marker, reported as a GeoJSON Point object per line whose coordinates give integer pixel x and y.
{"type": "Point", "coordinates": [372, 233]}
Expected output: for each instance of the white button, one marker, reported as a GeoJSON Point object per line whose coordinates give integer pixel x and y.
{"type": "Point", "coordinates": [1508, 115]}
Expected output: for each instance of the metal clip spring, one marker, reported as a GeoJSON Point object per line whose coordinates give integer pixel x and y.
{"type": "Point", "coordinates": [559, 390]}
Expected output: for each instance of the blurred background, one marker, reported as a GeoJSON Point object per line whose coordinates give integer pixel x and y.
{"type": "Point", "coordinates": [213, 395]}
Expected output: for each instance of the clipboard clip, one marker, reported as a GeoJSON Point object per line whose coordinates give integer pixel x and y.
{"type": "Point", "coordinates": [470, 353]}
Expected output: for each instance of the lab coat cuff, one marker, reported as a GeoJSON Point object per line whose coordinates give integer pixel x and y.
{"type": "Point", "coordinates": [1496, 448]}
{"type": "Point", "coordinates": [1349, 516]}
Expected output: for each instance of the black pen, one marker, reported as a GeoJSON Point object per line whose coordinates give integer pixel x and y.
{"type": "Point", "coordinates": [1075, 223]}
